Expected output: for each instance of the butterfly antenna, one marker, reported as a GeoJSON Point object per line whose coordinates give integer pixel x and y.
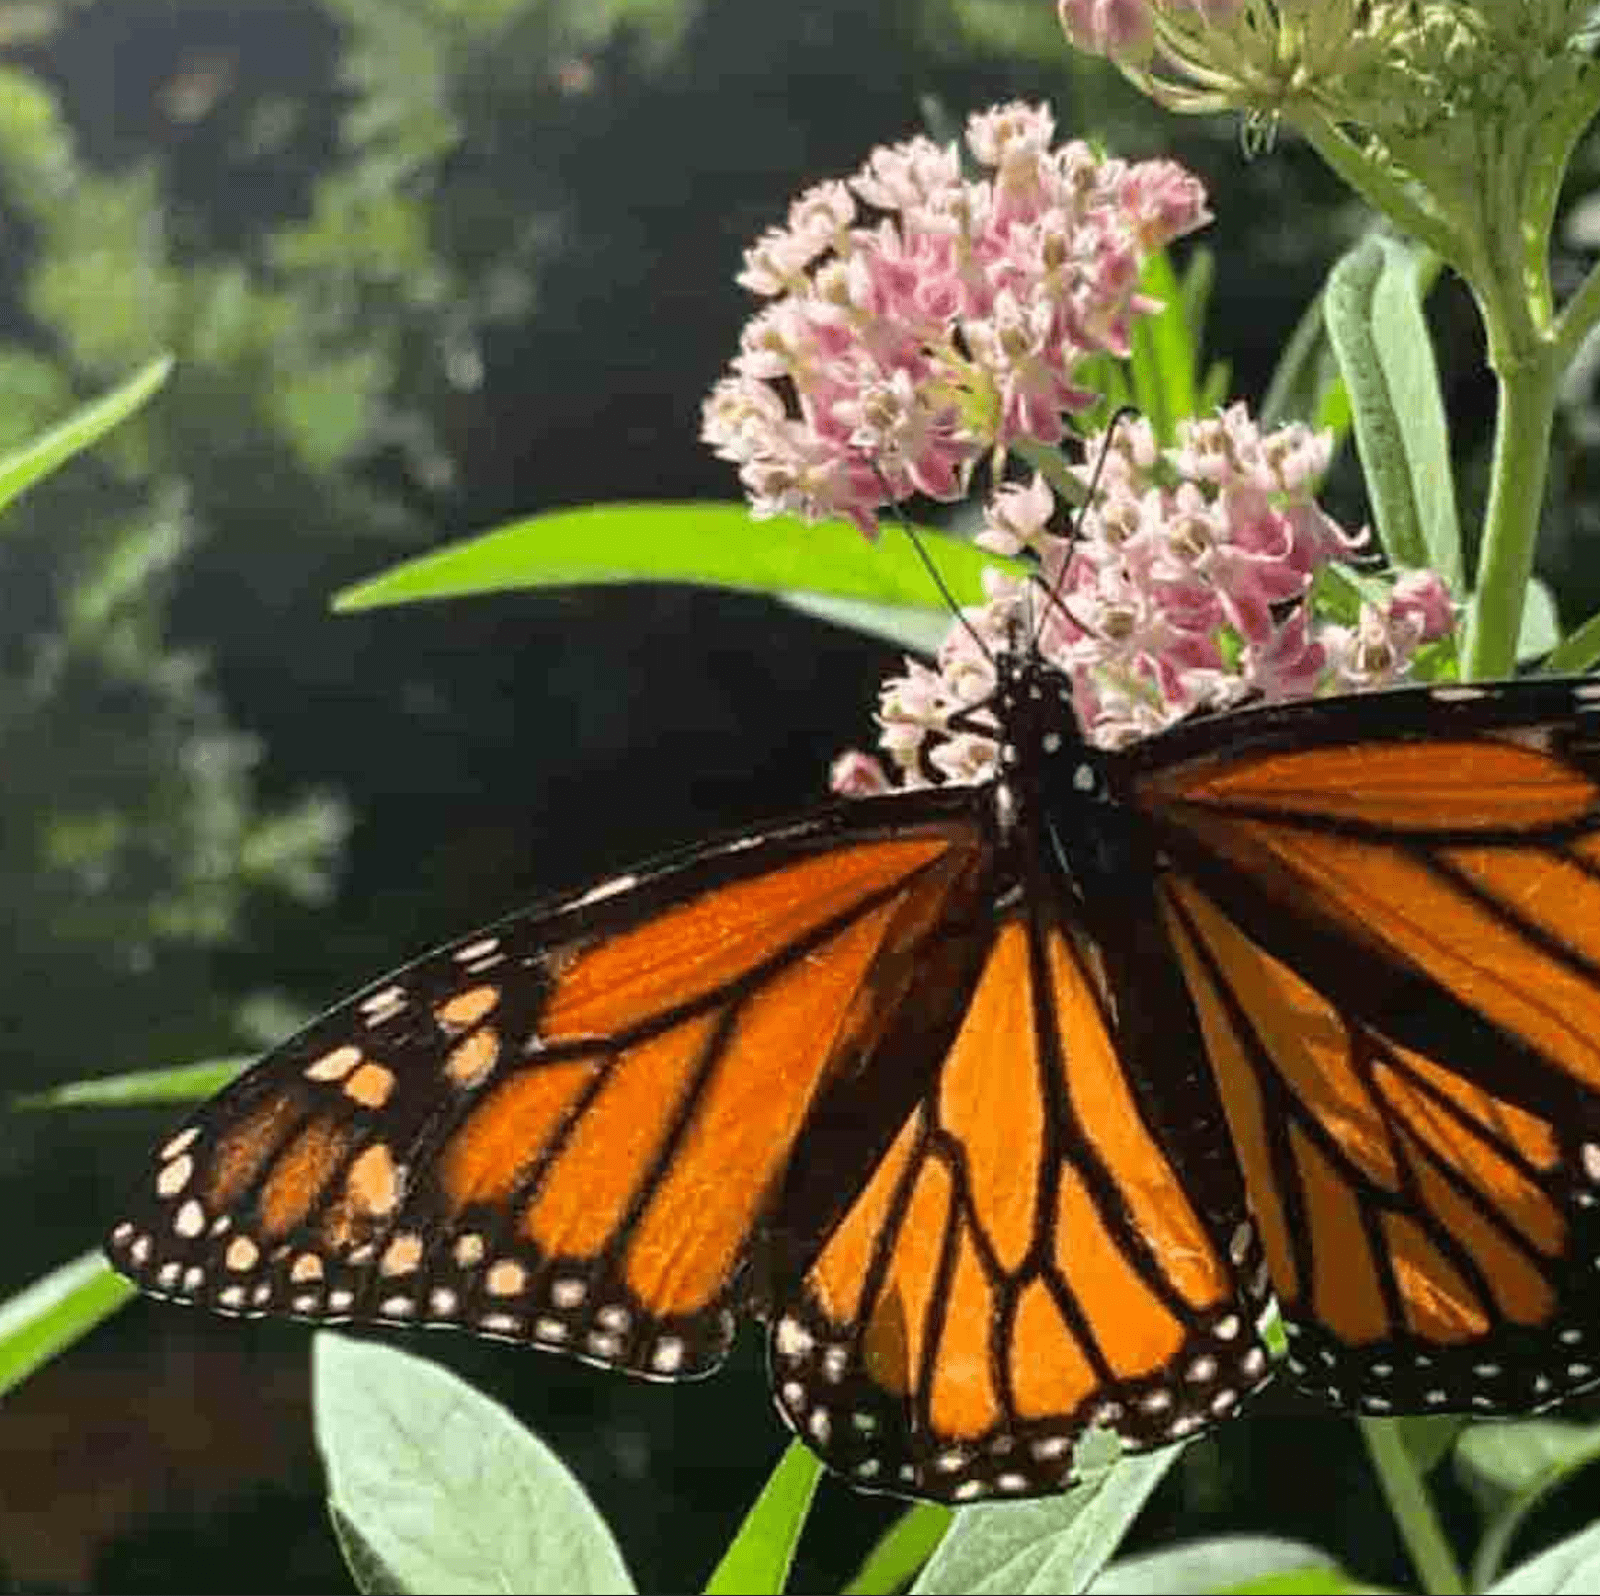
{"type": "Point", "coordinates": [928, 565]}
{"type": "Point", "coordinates": [1053, 598]}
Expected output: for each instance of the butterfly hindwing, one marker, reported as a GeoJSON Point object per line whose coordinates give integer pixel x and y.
{"type": "Point", "coordinates": [1388, 912]}
{"type": "Point", "coordinates": [1025, 1261]}
{"type": "Point", "coordinates": [566, 1129]}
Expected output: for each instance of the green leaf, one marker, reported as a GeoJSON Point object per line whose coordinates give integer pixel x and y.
{"type": "Point", "coordinates": [709, 545]}
{"type": "Point", "coordinates": [1228, 1563]}
{"type": "Point", "coordinates": [1058, 1543]}
{"type": "Point", "coordinates": [1307, 377]}
{"type": "Point", "coordinates": [921, 631]}
{"type": "Point", "coordinates": [757, 1560]}
{"type": "Point", "coordinates": [1541, 624]}
{"type": "Point", "coordinates": [1570, 1568]}
{"type": "Point", "coordinates": [22, 468]}
{"type": "Point", "coordinates": [48, 1316]}
{"type": "Point", "coordinates": [1509, 1469]}
{"type": "Point", "coordinates": [1577, 651]}
{"type": "Point", "coordinates": [368, 1572]}
{"type": "Point", "coordinates": [183, 1083]}
{"type": "Point", "coordinates": [1164, 357]}
{"type": "Point", "coordinates": [445, 1489]}
{"type": "Point", "coordinates": [901, 1550]}
{"type": "Point", "coordinates": [1374, 317]}
{"type": "Point", "coordinates": [1428, 1437]}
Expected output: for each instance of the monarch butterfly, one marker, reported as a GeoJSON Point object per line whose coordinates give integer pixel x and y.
{"type": "Point", "coordinates": [1009, 1108]}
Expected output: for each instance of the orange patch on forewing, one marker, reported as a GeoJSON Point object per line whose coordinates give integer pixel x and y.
{"type": "Point", "coordinates": [714, 939]}
{"type": "Point", "coordinates": [1303, 1038]}
{"type": "Point", "coordinates": [898, 1319]}
{"type": "Point", "coordinates": [1508, 1191]}
{"type": "Point", "coordinates": [1103, 1106]}
{"type": "Point", "coordinates": [1241, 1097]}
{"type": "Point", "coordinates": [1463, 783]}
{"type": "Point", "coordinates": [242, 1153]}
{"type": "Point", "coordinates": [581, 1198]}
{"type": "Point", "coordinates": [470, 1060]}
{"type": "Point", "coordinates": [1382, 898]}
{"type": "Point", "coordinates": [1050, 1374]}
{"type": "Point", "coordinates": [1136, 1332]}
{"type": "Point", "coordinates": [1345, 1291]}
{"type": "Point", "coordinates": [989, 1098]}
{"type": "Point", "coordinates": [963, 1402]}
{"type": "Point", "coordinates": [465, 1009]}
{"type": "Point", "coordinates": [1531, 1136]}
{"type": "Point", "coordinates": [840, 1272]}
{"type": "Point", "coordinates": [507, 1130]}
{"type": "Point", "coordinates": [299, 1177]}
{"type": "Point", "coordinates": [1521, 1291]}
{"type": "Point", "coordinates": [738, 1141]}
{"type": "Point", "coordinates": [1436, 1300]}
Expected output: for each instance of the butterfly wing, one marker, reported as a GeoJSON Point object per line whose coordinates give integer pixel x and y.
{"type": "Point", "coordinates": [1045, 1246]}
{"type": "Point", "coordinates": [1388, 912]}
{"type": "Point", "coordinates": [568, 1129]}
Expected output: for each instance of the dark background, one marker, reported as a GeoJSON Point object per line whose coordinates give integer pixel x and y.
{"type": "Point", "coordinates": [426, 266]}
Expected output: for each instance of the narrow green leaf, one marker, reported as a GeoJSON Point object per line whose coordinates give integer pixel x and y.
{"type": "Point", "coordinates": [1509, 1469]}
{"type": "Point", "coordinates": [1570, 1568]}
{"type": "Point", "coordinates": [183, 1083]}
{"type": "Point", "coordinates": [902, 1549]}
{"type": "Point", "coordinates": [1541, 624]}
{"type": "Point", "coordinates": [758, 1558]}
{"type": "Point", "coordinates": [1225, 1564]}
{"type": "Point", "coordinates": [1164, 358]}
{"type": "Point", "coordinates": [444, 1488]}
{"type": "Point", "coordinates": [709, 545]}
{"type": "Point", "coordinates": [1375, 324]}
{"type": "Point", "coordinates": [1056, 1544]}
{"type": "Point", "coordinates": [23, 467]}
{"type": "Point", "coordinates": [921, 631]}
{"type": "Point", "coordinates": [48, 1316]}
{"type": "Point", "coordinates": [1303, 372]}
{"type": "Point", "coordinates": [1577, 651]}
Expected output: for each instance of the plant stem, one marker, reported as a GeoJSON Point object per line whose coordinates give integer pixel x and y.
{"type": "Point", "coordinates": [1412, 1508]}
{"type": "Point", "coordinates": [1376, 186]}
{"type": "Point", "coordinates": [1577, 319]}
{"type": "Point", "coordinates": [1520, 465]}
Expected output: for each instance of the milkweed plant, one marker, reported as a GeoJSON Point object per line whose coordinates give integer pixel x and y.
{"type": "Point", "coordinates": [965, 322]}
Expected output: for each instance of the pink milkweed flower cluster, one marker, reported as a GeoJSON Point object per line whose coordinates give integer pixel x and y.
{"type": "Point", "coordinates": [895, 353]}
{"type": "Point", "coordinates": [1186, 585]}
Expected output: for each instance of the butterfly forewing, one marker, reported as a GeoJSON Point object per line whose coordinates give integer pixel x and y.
{"type": "Point", "coordinates": [1388, 913]}
{"type": "Point", "coordinates": [567, 1129]}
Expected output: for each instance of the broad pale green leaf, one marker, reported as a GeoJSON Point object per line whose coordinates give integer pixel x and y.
{"type": "Point", "coordinates": [1571, 1568]}
{"type": "Point", "coordinates": [1225, 1564]}
{"type": "Point", "coordinates": [48, 1316]}
{"type": "Point", "coordinates": [708, 545]}
{"type": "Point", "coordinates": [901, 1550]}
{"type": "Point", "coordinates": [1509, 1469]}
{"type": "Point", "coordinates": [1056, 1544]}
{"type": "Point", "coordinates": [183, 1083]}
{"type": "Point", "coordinates": [757, 1561]}
{"type": "Point", "coordinates": [26, 466]}
{"type": "Point", "coordinates": [446, 1491]}
{"type": "Point", "coordinates": [367, 1569]}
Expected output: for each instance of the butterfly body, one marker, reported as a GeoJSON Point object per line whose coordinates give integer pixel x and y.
{"type": "Point", "coordinates": [1010, 1108]}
